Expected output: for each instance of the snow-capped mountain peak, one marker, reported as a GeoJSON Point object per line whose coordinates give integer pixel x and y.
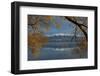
{"type": "Point", "coordinates": [62, 34]}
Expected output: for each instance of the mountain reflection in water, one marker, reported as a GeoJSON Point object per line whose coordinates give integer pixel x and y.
{"type": "Point", "coordinates": [59, 48]}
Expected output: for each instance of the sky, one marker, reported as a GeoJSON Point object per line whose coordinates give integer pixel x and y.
{"type": "Point", "coordinates": [66, 26]}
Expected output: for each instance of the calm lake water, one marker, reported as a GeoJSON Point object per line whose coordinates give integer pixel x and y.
{"type": "Point", "coordinates": [55, 50]}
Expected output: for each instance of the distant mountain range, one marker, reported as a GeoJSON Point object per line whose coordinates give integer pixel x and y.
{"type": "Point", "coordinates": [63, 37]}
{"type": "Point", "coordinates": [62, 34]}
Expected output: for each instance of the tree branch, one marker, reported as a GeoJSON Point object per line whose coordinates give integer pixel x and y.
{"type": "Point", "coordinates": [79, 25]}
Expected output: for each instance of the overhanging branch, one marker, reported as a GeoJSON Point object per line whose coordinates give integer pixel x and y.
{"type": "Point", "coordinates": [79, 25]}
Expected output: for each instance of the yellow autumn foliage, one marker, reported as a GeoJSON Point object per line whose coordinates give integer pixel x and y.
{"type": "Point", "coordinates": [83, 44]}
{"type": "Point", "coordinates": [82, 47]}
{"type": "Point", "coordinates": [36, 41]}
{"type": "Point", "coordinates": [58, 26]}
{"type": "Point", "coordinates": [48, 17]}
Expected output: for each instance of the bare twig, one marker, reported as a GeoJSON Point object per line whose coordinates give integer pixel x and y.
{"type": "Point", "coordinates": [79, 25]}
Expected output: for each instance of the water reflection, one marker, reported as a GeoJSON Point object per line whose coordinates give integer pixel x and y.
{"type": "Point", "coordinates": [57, 53]}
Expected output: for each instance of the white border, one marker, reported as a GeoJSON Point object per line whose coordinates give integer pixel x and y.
{"type": "Point", "coordinates": [26, 65]}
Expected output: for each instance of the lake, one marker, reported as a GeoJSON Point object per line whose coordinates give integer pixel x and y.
{"type": "Point", "coordinates": [58, 50]}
